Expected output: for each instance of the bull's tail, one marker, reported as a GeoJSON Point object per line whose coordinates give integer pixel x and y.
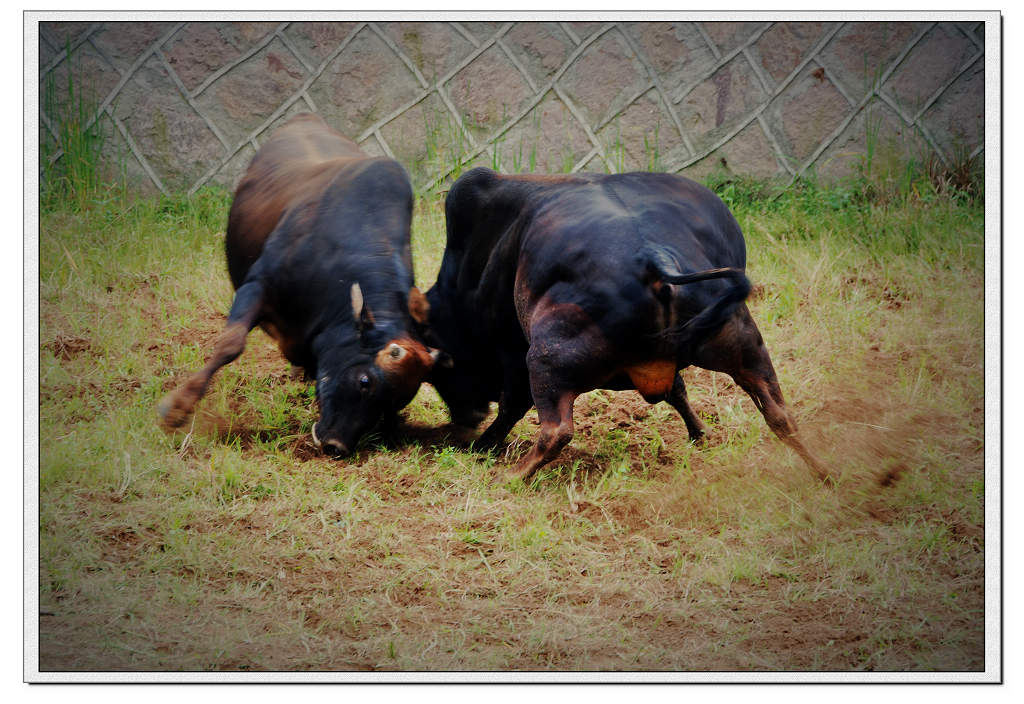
{"type": "Point", "coordinates": [714, 315]}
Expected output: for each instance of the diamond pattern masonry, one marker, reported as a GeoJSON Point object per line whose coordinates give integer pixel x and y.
{"type": "Point", "coordinates": [189, 102]}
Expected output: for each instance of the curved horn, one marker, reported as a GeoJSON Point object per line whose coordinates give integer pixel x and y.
{"type": "Point", "coordinates": [357, 300]}
{"type": "Point", "coordinates": [363, 315]}
{"type": "Point", "coordinates": [439, 357]}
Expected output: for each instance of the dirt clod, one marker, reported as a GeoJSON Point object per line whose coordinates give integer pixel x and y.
{"type": "Point", "coordinates": [67, 347]}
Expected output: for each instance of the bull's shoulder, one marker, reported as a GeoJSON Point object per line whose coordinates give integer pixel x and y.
{"type": "Point", "coordinates": [463, 205]}
{"type": "Point", "coordinates": [469, 189]}
{"type": "Point", "coordinates": [312, 132]}
{"type": "Point", "coordinates": [642, 184]}
{"type": "Point", "coordinates": [483, 203]}
{"type": "Point", "coordinates": [373, 181]}
{"type": "Point", "coordinates": [387, 172]}
{"type": "Point", "coordinates": [301, 142]}
{"type": "Point", "coordinates": [483, 186]}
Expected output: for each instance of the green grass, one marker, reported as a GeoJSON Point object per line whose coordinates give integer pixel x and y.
{"type": "Point", "coordinates": [75, 171]}
{"type": "Point", "coordinates": [234, 546]}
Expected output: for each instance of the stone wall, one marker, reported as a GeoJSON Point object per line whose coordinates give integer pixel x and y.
{"type": "Point", "coordinates": [183, 104]}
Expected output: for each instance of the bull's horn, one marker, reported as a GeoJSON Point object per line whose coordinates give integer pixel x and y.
{"type": "Point", "coordinates": [363, 315]}
{"type": "Point", "coordinates": [357, 300]}
{"type": "Point", "coordinates": [439, 357]}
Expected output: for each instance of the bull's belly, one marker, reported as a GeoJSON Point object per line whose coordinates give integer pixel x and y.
{"type": "Point", "coordinates": [652, 378]}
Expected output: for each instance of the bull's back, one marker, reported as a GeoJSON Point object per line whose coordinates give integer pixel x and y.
{"type": "Point", "coordinates": [609, 227]}
{"type": "Point", "coordinates": [605, 247]}
{"type": "Point", "coordinates": [293, 167]}
{"type": "Point", "coordinates": [589, 235]}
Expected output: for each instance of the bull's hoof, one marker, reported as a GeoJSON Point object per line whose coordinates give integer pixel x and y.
{"type": "Point", "coordinates": [825, 477]}
{"type": "Point", "coordinates": [814, 465]}
{"type": "Point", "coordinates": [173, 413]}
{"type": "Point", "coordinates": [521, 471]}
{"type": "Point", "coordinates": [504, 479]}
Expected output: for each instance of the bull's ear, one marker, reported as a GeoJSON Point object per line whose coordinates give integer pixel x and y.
{"type": "Point", "coordinates": [363, 316]}
{"type": "Point", "coordinates": [419, 309]}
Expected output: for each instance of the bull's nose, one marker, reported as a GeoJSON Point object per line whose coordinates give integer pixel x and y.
{"type": "Point", "coordinates": [334, 448]}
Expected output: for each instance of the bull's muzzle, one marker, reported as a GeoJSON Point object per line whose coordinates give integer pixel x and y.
{"type": "Point", "coordinates": [334, 448]}
{"type": "Point", "coordinates": [331, 447]}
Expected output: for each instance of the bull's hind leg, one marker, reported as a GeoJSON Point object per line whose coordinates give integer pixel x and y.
{"type": "Point", "coordinates": [676, 397]}
{"type": "Point", "coordinates": [739, 350]}
{"type": "Point", "coordinates": [767, 396]}
{"type": "Point", "coordinates": [554, 398]}
{"type": "Point", "coordinates": [678, 400]}
{"type": "Point", "coordinates": [554, 411]}
{"type": "Point", "coordinates": [178, 405]}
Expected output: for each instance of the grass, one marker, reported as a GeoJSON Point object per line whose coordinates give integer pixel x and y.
{"type": "Point", "coordinates": [235, 546]}
{"type": "Point", "coordinates": [73, 166]}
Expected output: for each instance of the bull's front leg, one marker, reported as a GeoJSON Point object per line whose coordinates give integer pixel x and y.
{"type": "Point", "coordinates": [178, 405]}
{"type": "Point", "coordinates": [511, 409]}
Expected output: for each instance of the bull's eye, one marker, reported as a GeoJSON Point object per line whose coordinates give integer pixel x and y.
{"type": "Point", "coordinates": [364, 382]}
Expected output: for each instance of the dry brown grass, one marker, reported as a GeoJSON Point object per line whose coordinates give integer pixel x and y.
{"type": "Point", "coordinates": [242, 549]}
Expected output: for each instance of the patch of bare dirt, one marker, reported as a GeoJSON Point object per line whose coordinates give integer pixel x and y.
{"type": "Point", "coordinates": [120, 544]}
{"type": "Point", "coordinates": [68, 347]}
{"type": "Point", "coordinates": [821, 634]}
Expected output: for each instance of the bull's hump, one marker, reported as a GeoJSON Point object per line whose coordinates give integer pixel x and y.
{"type": "Point", "coordinates": [311, 137]}
{"type": "Point", "coordinates": [552, 179]}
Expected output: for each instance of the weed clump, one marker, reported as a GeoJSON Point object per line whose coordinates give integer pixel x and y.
{"type": "Point", "coordinates": [71, 165]}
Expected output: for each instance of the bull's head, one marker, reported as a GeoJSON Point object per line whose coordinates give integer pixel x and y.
{"type": "Point", "coordinates": [357, 385]}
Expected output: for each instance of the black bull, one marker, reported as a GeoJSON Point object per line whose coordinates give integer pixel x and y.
{"type": "Point", "coordinates": [318, 252]}
{"type": "Point", "coordinates": [552, 286]}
